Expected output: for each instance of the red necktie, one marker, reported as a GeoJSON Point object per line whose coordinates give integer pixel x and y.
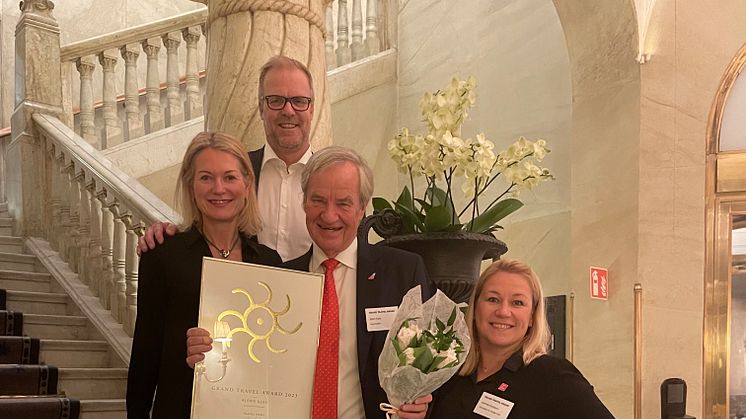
{"type": "Point", "coordinates": [327, 359]}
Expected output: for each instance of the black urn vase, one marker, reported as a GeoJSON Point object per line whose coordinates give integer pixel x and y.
{"type": "Point", "coordinates": [452, 259]}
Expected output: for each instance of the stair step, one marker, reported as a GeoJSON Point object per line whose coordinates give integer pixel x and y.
{"type": "Point", "coordinates": [93, 383]}
{"type": "Point", "coordinates": [103, 409]}
{"type": "Point", "coordinates": [75, 353]}
{"type": "Point", "coordinates": [10, 244]}
{"type": "Point", "coordinates": [19, 262]}
{"type": "Point", "coordinates": [25, 281]}
{"type": "Point", "coordinates": [47, 326]}
{"type": "Point", "coordinates": [30, 302]}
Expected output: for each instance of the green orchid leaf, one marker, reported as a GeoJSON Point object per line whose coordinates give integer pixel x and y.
{"type": "Point", "coordinates": [489, 218]}
{"type": "Point", "coordinates": [380, 204]}
{"type": "Point", "coordinates": [423, 204]}
{"type": "Point", "coordinates": [439, 324]}
{"type": "Point", "coordinates": [405, 200]}
{"type": "Point", "coordinates": [412, 219]}
{"type": "Point", "coordinates": [439, 196]}
{"type": "Point", "coordinates": [437, 219]}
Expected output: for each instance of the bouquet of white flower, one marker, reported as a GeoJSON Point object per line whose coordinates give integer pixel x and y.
{"type": "Point", "coordinates": [426, 345]}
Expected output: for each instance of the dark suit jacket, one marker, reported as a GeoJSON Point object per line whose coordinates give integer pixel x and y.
{"type": "Point", "coordinates": [256, 157]}
{"type": "Point", "coordinates": [167, 305]}
{"type": "Point", "coordinates": [396, 272]}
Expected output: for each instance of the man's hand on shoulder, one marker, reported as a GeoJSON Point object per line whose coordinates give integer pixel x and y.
{"type": "Point", "coordinates": [154, 236]}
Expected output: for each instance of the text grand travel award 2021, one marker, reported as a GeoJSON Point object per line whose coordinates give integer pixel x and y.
{"type": "Point", "coordinates": [264, 322]}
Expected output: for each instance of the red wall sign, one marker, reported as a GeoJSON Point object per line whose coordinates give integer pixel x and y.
{"type": "Point", "coordinates": [599, 283]}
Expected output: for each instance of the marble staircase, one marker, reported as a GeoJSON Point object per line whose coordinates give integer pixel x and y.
{"type": "Point", "coordinates": [89, 370]}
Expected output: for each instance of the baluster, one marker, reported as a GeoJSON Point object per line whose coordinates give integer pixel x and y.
{"type": "Point", "coordinates": [131, 274]}
{"type": "Point", "coordinates": [107, 238]}
{"type": "Point", "coordinates": [174, 110]}
{"type": "Point", "coordinates": [93, 263]}
{"type": "Point", "coordinates": [154, 117]}
{"type": "Point", "coordinates": [372, 42]}
{"type": "Point", "coordinates": [74, 227]}
{"type": "Point", "coordinates": [111, 134]}
{"type": "Point", "coordinates": [54, 203]}
{"type": "Point", "coordinates": [193, 103]}
{"type": "Point", "coordinates": [357, 48]}
{"type": "Point", "coordinates": [133, 126]}
{"type": "Point", "coordinates": [331, 59]}
{"type": "Point", "coordinates": [344, 55]}
{"type": "Point", "coordinates": [117, 285]}
{"type": "Point", "coordinates": [86, 65]}
{"type": "Point", "coordinates": [64, 213]}
{"type": "Point", "coordinates": [84, 209]}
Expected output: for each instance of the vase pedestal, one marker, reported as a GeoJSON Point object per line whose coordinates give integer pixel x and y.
{"type": "Point", "coordinates": [453, 260]}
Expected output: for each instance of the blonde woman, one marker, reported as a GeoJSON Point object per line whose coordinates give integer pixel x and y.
{"type": "Point", "coordinates": [216, 197]}
{"type": "Point", "coordinates": [507, 371]}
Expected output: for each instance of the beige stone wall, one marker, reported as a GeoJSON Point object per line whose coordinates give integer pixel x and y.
{"type": "Point", "coordinates": [692, 44]}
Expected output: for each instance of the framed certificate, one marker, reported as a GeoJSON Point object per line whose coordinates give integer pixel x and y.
{"type": "Point", "coordinates": [265, 325]}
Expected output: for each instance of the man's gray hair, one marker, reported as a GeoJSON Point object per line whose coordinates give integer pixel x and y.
{"type": "Point", "coordinates": [333, 155]}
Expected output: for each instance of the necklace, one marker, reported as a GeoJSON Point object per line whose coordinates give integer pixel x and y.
{"type": "Point", "coordinates": [224, 253]}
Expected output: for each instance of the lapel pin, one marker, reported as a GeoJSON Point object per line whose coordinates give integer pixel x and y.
{"type": "Point", "coordinates": [372, 276]}
{"type": "Point", "coordinates": [503, 386]}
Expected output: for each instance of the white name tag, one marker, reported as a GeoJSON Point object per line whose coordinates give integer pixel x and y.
{"type": "Point", "coordinates": [380, 318]}
{"type": "Point", "coordinates": [493, 407]}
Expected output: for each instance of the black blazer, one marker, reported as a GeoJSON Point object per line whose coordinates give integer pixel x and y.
{"type": "Point", "coordinates": [393, 272]}
{"type": "Point", "coordinates": [167, 305]}
{"type": "Point", "coordinates": [256, 157]}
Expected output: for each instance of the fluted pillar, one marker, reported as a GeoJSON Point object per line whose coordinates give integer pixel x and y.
{"type": "Point", "coordinates": [243, 36]}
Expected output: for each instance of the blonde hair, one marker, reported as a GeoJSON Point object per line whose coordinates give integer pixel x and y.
{"type": "Point", "coordinates": [249, 221]}
{"type": "Point", "coordinates": [536, 341]}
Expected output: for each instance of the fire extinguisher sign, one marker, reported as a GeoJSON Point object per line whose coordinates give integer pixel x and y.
{"type": "Point", "coordinates": [599, 278]}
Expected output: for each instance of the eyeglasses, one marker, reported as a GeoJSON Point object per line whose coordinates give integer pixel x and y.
{"type": "Point", "coordinates": [299, 103]}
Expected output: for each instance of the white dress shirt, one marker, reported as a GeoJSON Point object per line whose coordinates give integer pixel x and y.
{"type": "Point", "coordinates": [350, 395]}
{"type": "Point", "coordinates": [281, 206]}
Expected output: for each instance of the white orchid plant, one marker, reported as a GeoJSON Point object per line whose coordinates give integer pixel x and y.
{"type": "Point", "coordinates": [441, 155]}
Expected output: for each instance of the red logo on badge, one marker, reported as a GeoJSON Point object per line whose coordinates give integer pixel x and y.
{"type": "Point", "coordinates": [503, 387]}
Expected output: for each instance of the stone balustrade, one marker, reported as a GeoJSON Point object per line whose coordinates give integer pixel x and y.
{"type": "Point", "coordinates": [169, 55]}
{"type": "Point", "coordinates": [105, 115]}
{"type": "Point", "coordinates": [94, 216]}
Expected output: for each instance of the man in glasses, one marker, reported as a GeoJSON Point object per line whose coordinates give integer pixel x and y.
{"type": "Point", "coordinates": [286, 108]}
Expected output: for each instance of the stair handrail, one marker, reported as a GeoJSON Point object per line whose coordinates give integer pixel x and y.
{"type": "Point", "coordinates": [4, 136]}
{"type": "Point", "coordinates": [133, 34]}
{"type": "Point", "coordinates": [147, 207]}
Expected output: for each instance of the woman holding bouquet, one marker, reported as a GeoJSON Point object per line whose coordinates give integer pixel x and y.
{"type": "Point", "coordinates": [215, 192]}
{"type": "Point", "coordinates": [507, 370]}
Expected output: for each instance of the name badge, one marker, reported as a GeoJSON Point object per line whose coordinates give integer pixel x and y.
{"type": "Point", "coordinates": [493, 407]}
{"type": "Point", "coordinates": [380, 318]}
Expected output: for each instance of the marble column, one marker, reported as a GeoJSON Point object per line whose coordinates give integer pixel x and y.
{"type": "Point", "coordinates": [38, 89]}
{"type": "Point", "coordinates": [243, 35]}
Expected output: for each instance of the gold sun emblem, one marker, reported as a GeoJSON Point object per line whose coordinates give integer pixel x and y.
{"type": "Point", "coordinates": [259, 321]}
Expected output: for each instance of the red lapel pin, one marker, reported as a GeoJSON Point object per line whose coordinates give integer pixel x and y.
{"type": "Point", "coordinates": [503, 386]}
{"type": "Point", "coordinates": [372, 276]}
